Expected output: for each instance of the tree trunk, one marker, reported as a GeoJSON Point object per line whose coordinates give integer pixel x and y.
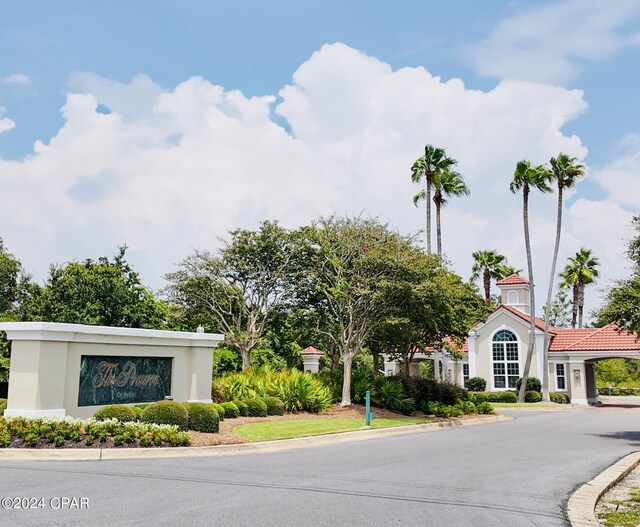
{"type": "Point", "coordinates": [580, 303]}
{"type": "Point", "coordinates": [405, 364]}
{"type": "Point", "coordinates": [428, 178]}
{"type": "Point", "coordinates": [246, 358]}
{"type": "Point", "coordinates": [575, 303]}
{"type": "Point", "coordinates": [486, 278]}
{"type": "Point", "coordinates": [347, 359]}
{"type": "Point", "coordinates": [545, 361]}
{"type": "Point", "coordinates": [532, 325]}
{"type": "Point", "coordinates": [438, 228]}
{"type": "Point", "coordinates": [376, 362]}
{"type": "Point", "coordinates": [436, 363]}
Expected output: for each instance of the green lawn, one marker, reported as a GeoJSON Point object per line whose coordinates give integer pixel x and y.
{"type": "Point", "coordinates": [270, 430]}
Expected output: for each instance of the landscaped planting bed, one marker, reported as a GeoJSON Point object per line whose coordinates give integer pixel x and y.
{"type": "Point", "coordinates": [21, 432]}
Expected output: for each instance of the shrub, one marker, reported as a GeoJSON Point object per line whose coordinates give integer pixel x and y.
{"type": "Point", "coordinates": [467, 407]}
{"type": "Point", "coordinates": [120, 412]}
{"type": "Point", "coordinates": [390, 394]}
{"type": "Point", "coordinates": [560, 398]}
{"type": "Point", "coordinates": [230, 410]}
{"type": "Point", "coordinates": [485, 408]}
{"type": "Point", "coordinates": [533, 384]}
{"type": "Point", "coordinates": [274, 405]}
{"type": "Point", "coordinates": [220, 410]}
{"type": "Point", "coordinates": [494, 397]}
{"type": "Point", "coordinates": [532, 397]}
{"type": "Point", "coordinates": [444, 410]}
{"type": "Point", "coordinates": [166, 413]}
{"type": "Point", "coordinates": [424, 391]}
{"type": "Point", "coordinates": [243, 409]}
{"type": "Point", "coordinates": [476, 384]}
{"type": "Point", "coordinates": [202, 417]}
{"type": "Point", "coordinates": [256, 408]}
{"type": "Point", "coordinates": [137, 408]}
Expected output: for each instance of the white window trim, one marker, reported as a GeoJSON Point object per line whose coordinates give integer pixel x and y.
{"type": "Point", "coordinates": [520, 364]}
{"type": "Point", "coordinates": [555, 374]}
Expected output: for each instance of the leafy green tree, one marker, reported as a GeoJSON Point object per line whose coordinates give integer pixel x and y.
{"type": "Point", "coordinates": [524, 179]}
{"type": "Point", "coordinates": [565, 171]}
{"type": "Point", "coordinates": [238, 289]}
{"type": "Point", "coordinates": [10, 273]}
{"type": "Point", "coordinates": [489, 265]}
{"type": "Point", "coordinates": [581, 271]}
{"type": "Point", "coordinates": [558, 312]}
{"type": "Point", "coordinates": [95, 292]}
{"type": "Point", "coordinates": [622, 302]}
{"type": "Point", "coordinates": [434, 161]}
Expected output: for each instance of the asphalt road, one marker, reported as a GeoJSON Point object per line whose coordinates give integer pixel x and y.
{"type": "Point", "coordinates": [512, 473]}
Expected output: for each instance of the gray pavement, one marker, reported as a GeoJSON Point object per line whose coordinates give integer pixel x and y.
{"type": "Point", "coordinates": [512, 473]}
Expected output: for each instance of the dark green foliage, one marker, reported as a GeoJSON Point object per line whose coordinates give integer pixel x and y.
{"type": "Point", "coordinates": [225, 360]}
{"type": "Point", "coordinates": [533, 384]}
{"type": "Point", "coordinates": [494, 397]}
{"type": "Point", "coordinates": [476, 384]}
{"type": "Point", "coordinates": [424, 391]}
{"type": "Point", "coordinates": [231, 411]}
{"type": "Point", "coordinates": [560, 398]}
{"type": "Point", "coordinates": [256, 408]}
{"type": "Point", "coordinates": [220, 409]}
{"type": "Point", "coordinates": [120, 412]}
{"type": "Point", "coordinates": [274, 405]}
{"type": "Point", "coordinates": [202, 417]}
{"type": "Point", "coordinates": [532, 397]}
{"type": "Point", "coordinates": [96, 292]}
{"type": "Point", "coordinates": [166, 413]}
{"type": "Point", "coordinates": [243, 409]}
{"type": "Point", "coordinates": [391, 395]}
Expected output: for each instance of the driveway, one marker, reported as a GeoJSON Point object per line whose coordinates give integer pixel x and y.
{"type": "Point", "coordinates": [513, 473]}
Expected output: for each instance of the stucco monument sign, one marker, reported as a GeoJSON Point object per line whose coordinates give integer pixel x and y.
{"type": "Point", "coordinates": [72, 369]}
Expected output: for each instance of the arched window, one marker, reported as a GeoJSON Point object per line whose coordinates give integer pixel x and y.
{"type": "Point", "coordinates": [513, 297]}
{"type": "Point", "coordinates": [506, 367]}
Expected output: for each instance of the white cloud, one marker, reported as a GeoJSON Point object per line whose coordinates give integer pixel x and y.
{"type": "Point", "coordinates": [551, 43]}
{"type": "Point", "coordinates": [17, 78]}
{"type": "Point", "coordinates": [5, 123]}
{"type": "Point", "coordinates": [172, 169]}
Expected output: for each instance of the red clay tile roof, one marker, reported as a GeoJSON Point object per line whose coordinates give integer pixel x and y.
{"type": "Point", "coordinates": [312, 351]}
{"type": "Point", "coordinates": [464, 348]}
{"type": "Point", "coordinates": [512, 280]}
{"type": "Point", "coordinates": [607, 338]}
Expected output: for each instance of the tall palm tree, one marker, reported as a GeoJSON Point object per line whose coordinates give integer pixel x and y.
{"type": "Point", "coordinates": [581, 271]}
{"type": "Point", "coordinates": [446, 184]}
{"type": "Point", "coordinates": [565, 171]}
{"type": "Point", "coordinates": [433, 161]}
{"type": "Point", "coordinates": [490, 265]}
{"type": "Point", "coordinates": [524, 179]}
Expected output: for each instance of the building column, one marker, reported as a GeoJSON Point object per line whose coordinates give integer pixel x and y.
{"type": "Point", "coordinates": [590, 377]}
{"type": "Point", "coordinates": [577, 382]}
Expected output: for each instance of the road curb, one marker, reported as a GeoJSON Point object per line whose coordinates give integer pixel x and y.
{"type": "Point", "coordinates": [582, 503]}
{"type": "Point", "coordinates": [99, 454]}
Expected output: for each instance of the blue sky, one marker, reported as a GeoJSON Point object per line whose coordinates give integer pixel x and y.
{"type": "Point", "coordinates": [567, 70]}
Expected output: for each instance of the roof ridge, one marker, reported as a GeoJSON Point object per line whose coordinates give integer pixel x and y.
{"type": "Point", "coordinates": [552, 330]}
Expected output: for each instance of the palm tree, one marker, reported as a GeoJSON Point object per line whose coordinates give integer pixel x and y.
{"type": "Point", "coordinates": [490, 265]}
{"type": "Point", "coordinates": [525, 178]}
{"type": "Point", "coordinates": [433, 161]}
{"type": "Point", "coordinates": [578, 273]}
{"type": "Point", "coordinates": [565, 172]}
{"type": "Point", "coordinates": [446, 184]}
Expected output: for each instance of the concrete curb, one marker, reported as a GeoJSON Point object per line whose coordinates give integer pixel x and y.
{"type": "Point", "coordinates": [99, 454]}
{"type": "Point", "coordinates": [582, 504]}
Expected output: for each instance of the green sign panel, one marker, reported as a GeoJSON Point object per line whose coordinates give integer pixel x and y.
{"type": "Point", "coordinates": [115, 380]}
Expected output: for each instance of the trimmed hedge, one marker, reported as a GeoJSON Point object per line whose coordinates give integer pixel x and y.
{"type": "Point", "coordinates": [230, 410]}
{"type": "Point", "coordinates": [533, 384]}
{"type": "Point", "coordinates": [256, 408]}
{"type": "Point", "coordinates": [494, 397]}
{"type": "Point", "coordinates": [560, 398]}
{"type": "Point", "coordinates": [202, 417]}
{"type": "Point", "coordinates": [476, 384]}
{"type": "Point", "coordinates": [274, 405]}
{"type": "Point", "coordinates": [243, 409]}
{"type": "Point", "coordinates": [166, 413]}
{"type": "Point", "coordinates": [220, 409]}
{"type": "Point", "coordinates": [532, 397]}
{"type": "Point", "coordinates": [120, 412]}
{"type": "Point", "coordinates": [137, 408]}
